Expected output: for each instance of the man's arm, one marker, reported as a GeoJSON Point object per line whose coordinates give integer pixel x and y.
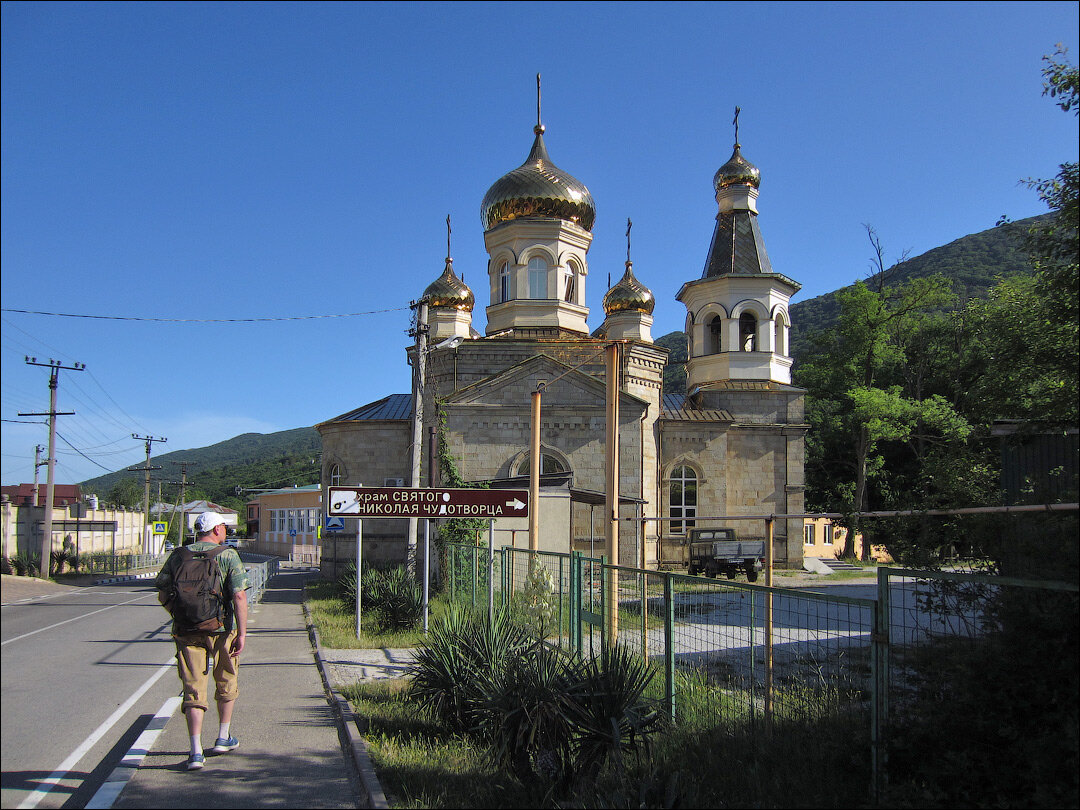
{"type": "Point", "coordinates": [240, 610]}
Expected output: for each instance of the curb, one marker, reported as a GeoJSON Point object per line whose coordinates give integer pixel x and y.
{"type": "Point", "coordinates": [373, 795]}
{"type": "Point", "coordinates": [125, 578]}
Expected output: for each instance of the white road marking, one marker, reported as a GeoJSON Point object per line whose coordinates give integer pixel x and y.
{"type": "Point", "coordinates": [72, 760]}
{"type": "Point", "coordinates": [109, 792]}
{"type": "Point", "coordinates": [67, 621]}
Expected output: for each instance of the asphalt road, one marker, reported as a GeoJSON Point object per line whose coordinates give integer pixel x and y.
{"type": "Point", "coordinates": [84, 671]}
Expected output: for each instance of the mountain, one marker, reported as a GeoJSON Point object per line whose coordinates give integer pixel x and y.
{"type": "Point", "coordinates": [251, 460]}
{"type": "Point", "coordinates": [973, 263]}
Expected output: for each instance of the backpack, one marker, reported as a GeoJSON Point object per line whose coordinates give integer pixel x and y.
{"type": "Point", "coordinates": [196, 601]}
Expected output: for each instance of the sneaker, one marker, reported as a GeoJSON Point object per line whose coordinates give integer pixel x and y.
{"type": "Point", "coordinates": [195, 762]}
{"type": "Point", "coordinates": [224, 746]}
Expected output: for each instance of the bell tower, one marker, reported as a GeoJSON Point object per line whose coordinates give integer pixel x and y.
{"type": "Point", "coordinates": [737, 319]}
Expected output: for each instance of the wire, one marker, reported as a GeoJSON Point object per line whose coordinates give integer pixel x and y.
{"type": "Point", "coordinates": [202, 320]}
{"type": "Point", "coordinates": [81, 453]}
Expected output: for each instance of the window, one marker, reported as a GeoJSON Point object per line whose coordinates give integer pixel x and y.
{"type": "Point", "coordinates": [504, 282]}
{"type": "Point", "coordinates": [808, 534]}
{"type": "Point", "coordinates": [778, 337]}
{"type": "Point", "coordinates": [548, 465]}
{"type": "Point", "coordinates": [748, 332]}
{"type": "Point", "coordinates": [716, 327]}
{"type": "Point", "coordinates": [538, 273]}
{"type": "Point", "coordinates": [683, 499]}
{"type": "Point", "coordinates": [292, 519]}
{"type": "Point", "coordinates": [827, 534]}
{"type": "Point", "coordinates": [335, 475]}
{"type": "Point", "coordinates": [568, 290]}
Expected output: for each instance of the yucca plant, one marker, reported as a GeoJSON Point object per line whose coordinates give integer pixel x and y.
{"type": "Point", "coordinates": [525, 719]}
{"type": "Point", "coordinates": [396, 598]}
{"type": "Point", "coordinates": [450, 672]}
{"type": "Point", "coordinates": [57, 559]}
{"type": "Point", "coordinates": [607, 706]}
{"type": "Point", "coordinates": [25, 565]}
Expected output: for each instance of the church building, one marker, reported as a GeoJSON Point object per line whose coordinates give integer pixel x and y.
{"type": "Point", "coordinates": [732, 445]}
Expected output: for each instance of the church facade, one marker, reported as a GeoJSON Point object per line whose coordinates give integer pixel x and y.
{"type": "Point", "coordinates": [732, 445]}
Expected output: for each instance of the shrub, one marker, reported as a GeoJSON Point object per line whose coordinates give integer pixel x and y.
{"type": "Point", "coordinates": [25, 565]}
{"type": "Point", "coordinates": [57, 560]}
{"type": "Point", "coordinates": [395, 597]}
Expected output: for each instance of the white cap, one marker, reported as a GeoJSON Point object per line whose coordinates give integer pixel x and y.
{"type": "Point", "coordinates": [206, 522]}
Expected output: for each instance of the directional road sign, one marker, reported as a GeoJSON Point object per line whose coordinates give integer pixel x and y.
{"type": "Point", "coordinates": [397, 502]}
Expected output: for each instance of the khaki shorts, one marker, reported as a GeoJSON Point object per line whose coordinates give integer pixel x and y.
{"type": "Point", "coordinates": [192, 661]}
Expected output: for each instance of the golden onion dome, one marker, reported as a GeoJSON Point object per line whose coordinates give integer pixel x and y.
{"type": "Point", "coordinates": [538, 188]}
{"type": "Point", "coordinates": [738, 171]}
{"type": "Point", "coordinates": [629, 295]}
{"type": "Point", "coordinates": [448, 291]}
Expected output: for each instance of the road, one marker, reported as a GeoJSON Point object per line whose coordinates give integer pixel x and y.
{"type": "Point", "coordinates": [84, 672]}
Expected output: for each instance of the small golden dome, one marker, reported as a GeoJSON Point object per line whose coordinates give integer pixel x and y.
{"type": "Point", "coordinates": [629, 295]}
{"type": "Point", "coordinates": [738, 171]}
{"type": "Point", "coordinates": [448, 291]}
{"type": "Point", "coordinates": [538, 188]}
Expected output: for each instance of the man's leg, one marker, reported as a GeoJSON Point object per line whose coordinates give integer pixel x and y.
{"type": "Point", "coordinates": [225, 678]}
{"type": "Point", "coordinates": [193, 660]}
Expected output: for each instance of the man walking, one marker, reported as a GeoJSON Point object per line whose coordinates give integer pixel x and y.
{"type": "Point", "coordinates": [209, 609]}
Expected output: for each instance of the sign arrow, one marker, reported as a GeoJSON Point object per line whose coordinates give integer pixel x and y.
{"type": "Point", "coordinates": [515, 504]}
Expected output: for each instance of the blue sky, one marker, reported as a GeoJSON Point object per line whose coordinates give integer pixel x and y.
{"type": "Point", "coordinates": [238, 161]}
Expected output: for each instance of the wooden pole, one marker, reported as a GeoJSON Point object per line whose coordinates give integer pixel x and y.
{"type": "Point", "coordinates": [534, 473]}
{"type": "Point", "coordinates": [612, 489]}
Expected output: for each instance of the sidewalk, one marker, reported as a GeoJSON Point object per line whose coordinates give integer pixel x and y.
{"type": "Point", "coordinates": [291, 750]}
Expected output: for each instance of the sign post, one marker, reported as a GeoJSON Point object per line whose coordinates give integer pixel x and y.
{"type": "Point", "coordinates": [430, 502]}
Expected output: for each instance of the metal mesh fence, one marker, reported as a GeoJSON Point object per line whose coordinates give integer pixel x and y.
{"type": "Point", "coordinates": [893, 658]}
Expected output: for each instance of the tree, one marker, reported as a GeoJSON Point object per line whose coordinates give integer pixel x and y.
{"type": "Point", "coordinates": [856, 399]}
{"type": "Point", "coordinates": [126, 492]}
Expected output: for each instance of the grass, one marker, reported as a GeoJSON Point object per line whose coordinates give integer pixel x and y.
{"type": "Point", "coordinates": [717, 755]}
{"type": "Point", "coordinates": [336, 621]}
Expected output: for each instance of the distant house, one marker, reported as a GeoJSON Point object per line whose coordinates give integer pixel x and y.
{"type": "Point", "coordinates": [23, 494]}
{"type": "Point", "coordinates": [285, 523]}
{"type": "Point", "coordinates": [823, 538]}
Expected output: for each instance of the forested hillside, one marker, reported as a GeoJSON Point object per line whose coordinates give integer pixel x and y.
{"type": "Point", "coordinates": [249, 461]}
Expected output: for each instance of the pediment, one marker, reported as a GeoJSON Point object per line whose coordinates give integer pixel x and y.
{"type": "Point", "coordinates": [565, 387]}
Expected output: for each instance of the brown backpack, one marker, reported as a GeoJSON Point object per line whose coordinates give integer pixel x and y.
{"type": "Point", "coordinates": [196, 600]}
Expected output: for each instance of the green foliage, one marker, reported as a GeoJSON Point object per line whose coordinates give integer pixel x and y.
{"type": "Point", "coordinates": [57, 560]}
{"type": "Point", "coordinates": [392, 596]}
{"type": "Point", "coordinates": [126, 492]}
{"type": "Point", "coordinates": [549, 717]}
{"type": "Point", "coordinates": [25, 565]}
{"type": "Point", "coordinates": [675, 370]}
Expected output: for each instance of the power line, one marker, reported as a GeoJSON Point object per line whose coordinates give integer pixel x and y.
{"type": "Point", "coordinates": [203, 320]}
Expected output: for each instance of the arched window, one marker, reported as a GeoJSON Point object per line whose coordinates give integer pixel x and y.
{"type": "Point", "coordinates": [748, 332]}
{"type": "Point", "coordinates": [548, 465]}
{"type": "Point", "coordinates": [538, 273]}
{"type": "Point", "coordinates": [505, 293]}
{"type": "Point", "coordinates": [779, 345]}
{"type": "Point", "coordinates": [334, 475]}
{"type": "Point", "coordinates": [716, 328]}
{"type": "Point", "coordinates": [568, 287]}
{"type": "Point", "coordinates": [683, 499]}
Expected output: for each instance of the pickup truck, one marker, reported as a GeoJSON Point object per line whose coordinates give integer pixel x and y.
{"type": "Point", "coordinates": [716, 551]}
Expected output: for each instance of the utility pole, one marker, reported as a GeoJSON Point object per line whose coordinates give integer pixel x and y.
{"type": "Point", "coordinates": [146, 491]}
{"type": "Point", "coordinates": [419, 366]}
{"type": "Point", "coordinates": [37, 464]}
{"type": "Point", "coordinates": [183, 465]}
{"type": "Point", "coordinates": [54, 367]}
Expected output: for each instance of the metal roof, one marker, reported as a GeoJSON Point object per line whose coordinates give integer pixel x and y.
{"type": "Point", "coordinates": [396, 407]}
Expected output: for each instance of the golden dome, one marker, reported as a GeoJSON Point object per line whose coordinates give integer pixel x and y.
{"type": "Point", "coordinates": [629, 295]}
{"type": "Point", "coordinates": [538, 188]}
{"type": "Point", "coordinates": [738, 171]}
{"type": "Point", "coordinates": [448, 291]}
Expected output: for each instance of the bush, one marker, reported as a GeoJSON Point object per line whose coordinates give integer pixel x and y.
{"type": "Point", "coordinates": [547, 715]}
{"type": "Point", "coordinates": [57, 560]}
{"type": "Point", "coordinates": [393, 597]}
{"type": "Point", "coordinates": [25, 565]}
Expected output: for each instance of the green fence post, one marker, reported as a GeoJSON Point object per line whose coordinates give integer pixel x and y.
{"type": "Point", "coordinates": [669, 644]}
{"type": "Point", "coordinates": [879, 674]}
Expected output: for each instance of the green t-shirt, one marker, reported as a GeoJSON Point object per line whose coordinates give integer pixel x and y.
{"type": "Point", "coordinates": [234, 577]}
